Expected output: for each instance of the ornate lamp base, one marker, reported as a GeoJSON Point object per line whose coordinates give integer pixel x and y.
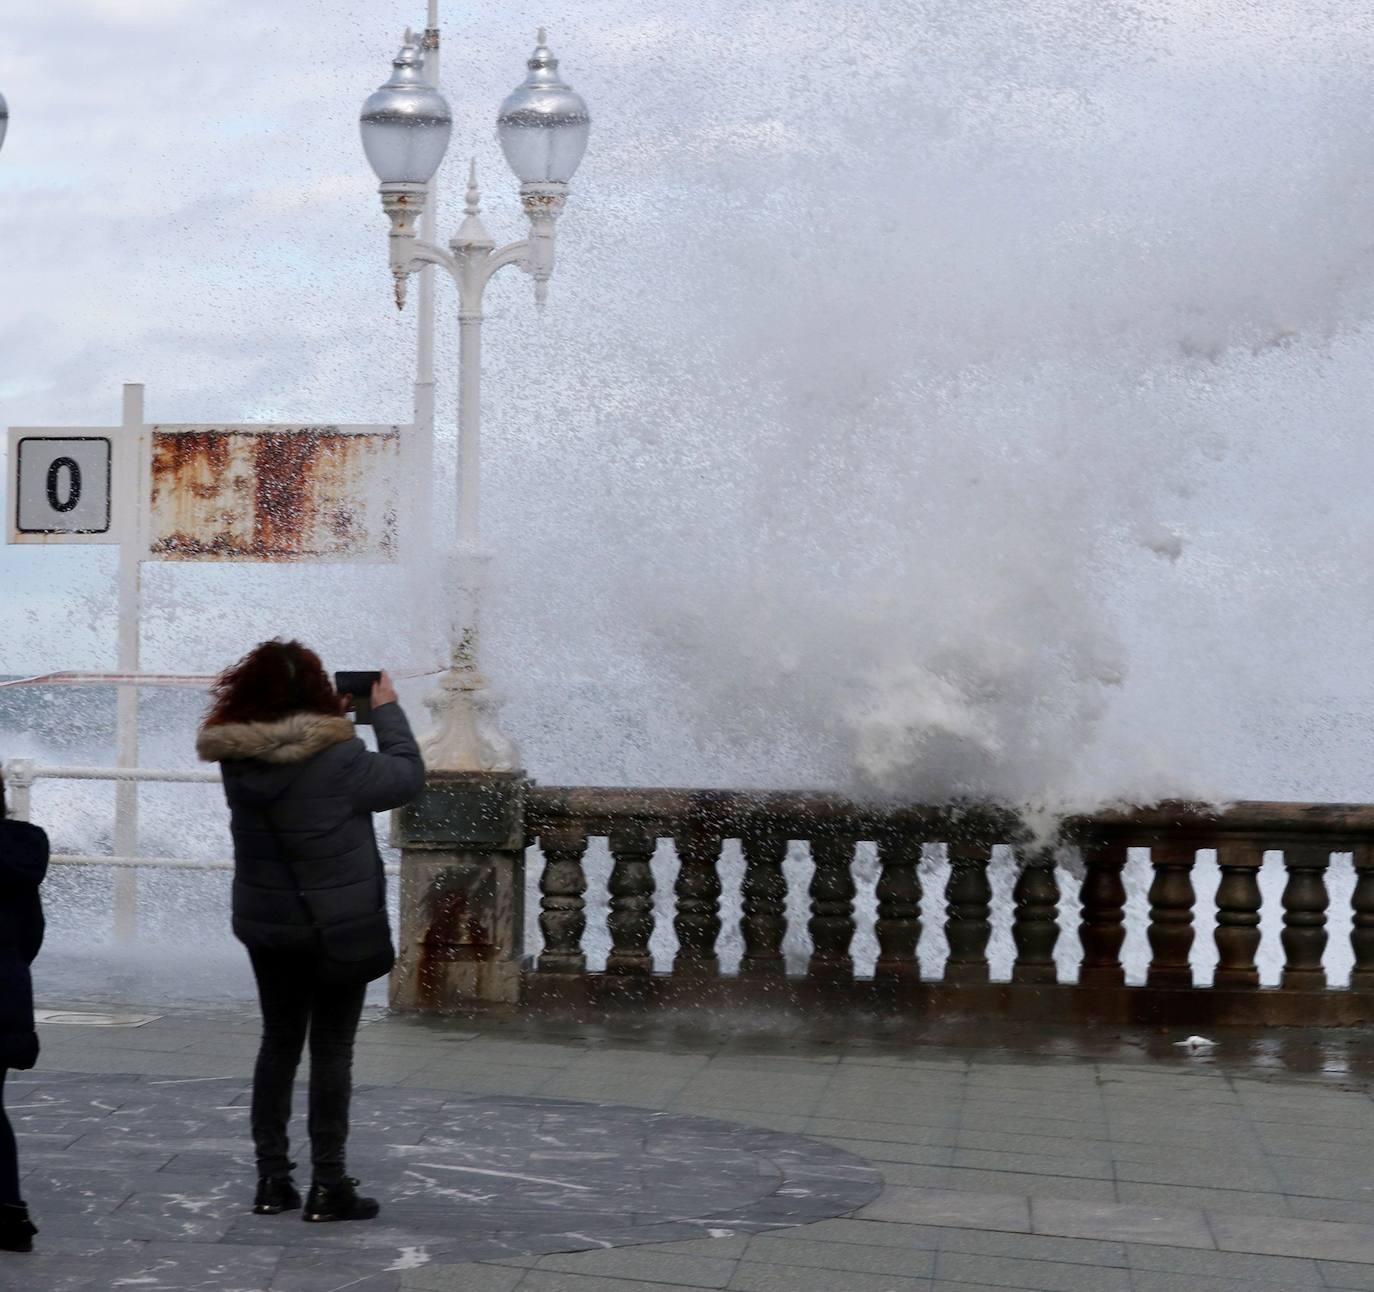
{"type": "Point", "coordinates": [467, 735]}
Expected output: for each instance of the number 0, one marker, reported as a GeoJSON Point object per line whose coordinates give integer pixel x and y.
{"type": "Point", "coordinates": [73, 484]}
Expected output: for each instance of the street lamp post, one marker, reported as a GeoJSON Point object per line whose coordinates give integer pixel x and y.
{"type": "Point", "coordinates": [542, 127]}
{"type": "Point", "coordinates": [4, 119]}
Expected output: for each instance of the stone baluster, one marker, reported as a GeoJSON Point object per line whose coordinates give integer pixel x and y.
{"type": "Point", "coordinates": [631, 919]}
{"type": "Point", "coordinates": [1304, 916]}
{"type": "Point", "coordinates": [1171, 913]}
{"type": "Point", "coordinates": [1238, 912]}
{"type": "Point", "coordinates": [899, 908]}
{"type": "Point", "coordinates": [1362, 933]}
{"type": "Point", "coordinates": [763, 902]}
{"type": "Point", "coordinates": [1103, 926]}
{"type": "Point", "coordinates": [562, 910]}
{"type": "Point", "coordinates": [832, 908]}
{"type": "Point", "coordinates": [698, 903]}
{"type": "Point", "coordinates": [1035, 920]}
{"type": "Point", "coordinates": [968, 903]}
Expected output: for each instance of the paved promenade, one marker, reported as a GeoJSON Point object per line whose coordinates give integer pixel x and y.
{"type": "Point", "coordinates": [520, 1157]}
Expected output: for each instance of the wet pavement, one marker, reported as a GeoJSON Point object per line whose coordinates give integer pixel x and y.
{"type": "Point", "coordinates": [690, 1152]}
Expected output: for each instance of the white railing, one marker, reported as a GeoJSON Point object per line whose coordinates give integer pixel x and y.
{"type": "Point", "coordinates": [20, 777]}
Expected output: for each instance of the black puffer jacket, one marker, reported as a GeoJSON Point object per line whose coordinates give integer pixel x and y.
{"type": "Point", "coordinates": [306, 786]}
{"type": "Point", "coordinates": [23, 863]}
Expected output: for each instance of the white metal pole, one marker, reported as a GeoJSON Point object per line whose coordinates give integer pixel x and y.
{"type": "Point", "coordinates": [469, 429]}
{"type": "Point", "coordinates": [130, 507]}
{"type": "Point", "coordinates": [468, 592]}
{"type": "Point", "coordinates": [19, 783]}
{"type": "Point", "coordinates": [468, 736]}
{"type": "Point", "coordinates": [420, 504]}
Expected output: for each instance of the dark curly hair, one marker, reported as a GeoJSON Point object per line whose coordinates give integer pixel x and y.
{"type": "Point", "coordinates": [275, 678]}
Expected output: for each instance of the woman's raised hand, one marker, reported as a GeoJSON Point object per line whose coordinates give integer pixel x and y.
{"type": "Point", "coordinates": [383, 691]}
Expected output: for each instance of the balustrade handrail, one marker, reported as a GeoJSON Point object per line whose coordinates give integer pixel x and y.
{"type": "Point", "coordinates": [24, 772]}
{"type": "Point", "coordinates": [730, 812]}
{"type": "Point", "coordinates": [1258, 817]}
{"type": "Point", "coordinates": [727, 811]}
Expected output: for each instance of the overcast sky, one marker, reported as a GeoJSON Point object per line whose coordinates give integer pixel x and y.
{"type": "Point", "coordinates": [955, 395]}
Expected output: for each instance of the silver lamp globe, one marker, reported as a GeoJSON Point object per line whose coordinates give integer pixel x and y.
{"type": "Point", "coordinates": [543, 124]}
{"type": "Point", "coordinates": [406, 122]}
{"type": "Point", "coordinates": [4, 119]}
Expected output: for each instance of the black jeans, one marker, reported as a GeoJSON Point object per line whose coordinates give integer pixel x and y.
{"type": "Point", "coordinates": [9, 1153]}
{"type": "Point", "coordinates": [294, 1003]}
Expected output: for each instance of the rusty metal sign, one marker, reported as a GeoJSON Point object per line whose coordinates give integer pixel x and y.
{"type": "Point", "coordinates": [262, 492]}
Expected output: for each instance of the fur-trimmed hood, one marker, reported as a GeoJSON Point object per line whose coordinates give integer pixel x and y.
{"type": "Point", "coordinates": [292, 739]}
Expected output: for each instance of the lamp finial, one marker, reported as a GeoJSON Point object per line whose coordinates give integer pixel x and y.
{"type": "Point", "coordinates": [474, 196]}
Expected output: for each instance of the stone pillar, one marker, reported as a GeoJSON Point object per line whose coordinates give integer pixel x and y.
{"type": "Point", "coordinates": [1102, 928]}
{"type": "Point", "coordinates": [1035, 922]}
{"type": "Point", "coordinates": [968, 908]}
{"type": "Point", "coordinates": [462, 928]}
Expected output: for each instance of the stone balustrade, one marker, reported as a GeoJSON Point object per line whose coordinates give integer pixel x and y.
{"type": "Point", "coordinates": [561, 822]}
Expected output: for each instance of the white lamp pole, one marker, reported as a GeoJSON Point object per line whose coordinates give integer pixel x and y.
{"type": "Point", "coordinates": [543, 127]}
{"type": "Point", "coordinates": [422, 449]}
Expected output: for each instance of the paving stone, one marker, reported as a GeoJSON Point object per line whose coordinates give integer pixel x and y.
{"type": "Point", "coordinates": [1212, 1264]}
{"type": "Point", "coordinates": [885, 1152]}
{"type": "Point", "coordinates": [651, 1264]}
{"type": "Point", "coordinates": [1347, 1181]}
{"type": "Point", "coordinates": [461, 1278]}
{"type": "Point", "coordinates": [1172, 1195]}
{"type": "Point", "coordinates": [946, 1207]}
{"type": "Point", "coordinates": [892, 1133]}
{"type": "Point", "coordinates": [1121, 1222]}
{"type": "Point", "coordinates": [999, 1141]}
{"type": "Point", "coordinates": [1033, 1163]}
{"type": "Point", "coordinates": [1187, 1171]}
{"type": "Point", "coordinates": [916, 1175]}
{"type": "Point", "coordinates": [1031, 1247]}
{"type": "Point", "coordinates": [1017, 1272]}
{"type": "Point", "coordinates": [1036, 1186]}
{"type": "Point", "coordinates": [867, 1233]}
{"type": "Point", "coordinates": [557, 1281]}
{"type": "Point", "coordinates": [1351, 1213]}
{"type": "Point", "coordinates": [1351, 1277]}
{"type": "Point", "coordinates": [1319, 1239]}
{"type": "Point", "coordinates": [1157, 1281]}
{"type": "Point", "coordinates": [905, 1261]}
{"type": "Point", "coordinates": [750, 1277]}
{"type": "Point", "coordinates": [725, 1244]}
{"type": "Point", "coordinates": [1241, 1146]}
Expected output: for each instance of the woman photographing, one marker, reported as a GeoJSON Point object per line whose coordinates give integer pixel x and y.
{"type": "Point", "coordinates": [309, 896]}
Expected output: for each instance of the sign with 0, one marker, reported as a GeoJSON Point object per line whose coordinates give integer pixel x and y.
{"type": "Point", "coordinates": [61, 484]}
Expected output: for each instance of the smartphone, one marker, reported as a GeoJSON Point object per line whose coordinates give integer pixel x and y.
{"type": "Point", "coordinates": [359, 686]}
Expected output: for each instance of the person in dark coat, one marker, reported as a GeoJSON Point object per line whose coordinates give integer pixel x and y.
{"type": "Point", "coordinates": [23, 864]}
{"type": "Point", "coordinates": [301, 788]}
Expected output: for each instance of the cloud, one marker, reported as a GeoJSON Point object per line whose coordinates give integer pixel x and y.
{"type": "Point", "coordinates": [141, 13]}
{"type": "Point", "coordinates": [324, 191]}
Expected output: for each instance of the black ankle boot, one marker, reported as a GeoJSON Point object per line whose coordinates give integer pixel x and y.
{"type": "Point", "coordinates": [338, 1201]}
{"type": "Point", "coordinates": [16, 1229]}
{"type": "Point", "coordinates": [276, 1193]}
